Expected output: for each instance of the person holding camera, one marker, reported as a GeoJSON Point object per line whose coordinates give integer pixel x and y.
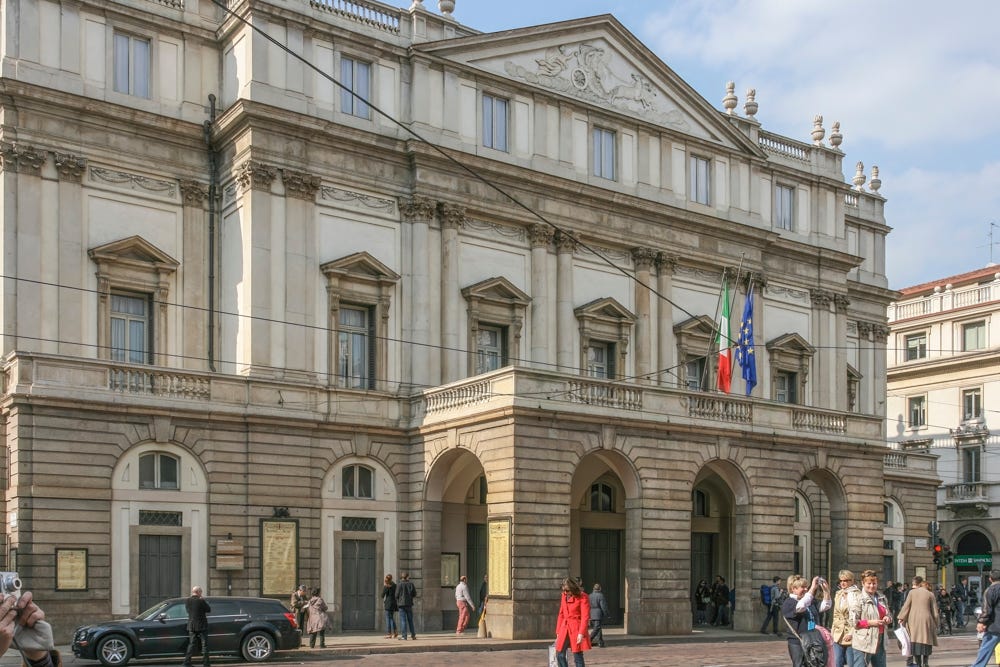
{"type": "Point", "coordinates": [21, 617]}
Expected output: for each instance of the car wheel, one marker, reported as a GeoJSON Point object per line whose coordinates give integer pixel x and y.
{"type": "Point", "coordinates": [257, 646]}
{"type": "Point", "coordinates": [114, 651]}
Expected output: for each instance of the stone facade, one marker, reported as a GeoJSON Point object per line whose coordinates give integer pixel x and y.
{"type": "Point", "coordinates": [248, 308]}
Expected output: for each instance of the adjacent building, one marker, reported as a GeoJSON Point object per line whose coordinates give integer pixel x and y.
{"type": "Point", "coordinates": [944, 389]}
{"type": "Point", "coordinates": [309, 292]}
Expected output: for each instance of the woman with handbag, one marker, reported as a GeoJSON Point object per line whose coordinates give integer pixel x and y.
{"type": "Point", "coordinates": [802, 617]}
{"type": "Point", "coordinates": [318, 622]}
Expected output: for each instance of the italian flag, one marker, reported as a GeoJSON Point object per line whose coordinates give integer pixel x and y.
{"type": "Point", "coordinates": [725, 376]}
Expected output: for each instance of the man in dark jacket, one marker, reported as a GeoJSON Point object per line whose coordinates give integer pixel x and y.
{"type": "Point", "coordinates": [598, 614]}
{"type": "Point", "coordinates": [197, 625]}
{"type": "Point", "coordinates": [989, 622]}
{"type": "Point", "coordinates": [406, 592]}
{"type": "Point", "coordinates": [299, 604]}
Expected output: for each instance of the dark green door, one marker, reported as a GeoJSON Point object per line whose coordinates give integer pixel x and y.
{"type": "Point", "coordinates": [159, 569]}
{"type": "Point", "coordinates": [600, 562]}
{"type": "Point", "coordinates": [360, 581]}
{"type": "Point", "coordinates": [475, 550]}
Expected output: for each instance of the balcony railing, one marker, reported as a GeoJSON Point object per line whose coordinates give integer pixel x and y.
{"type": "Point", "coordinates": [462, 396]}
{"type": "Point", "coordinates": [721, 409]}
{"type": "Point", "coordinates": [605, 394]}
{"type": "Point", "coordinates": [157, 382]}
{"type": "Point", "coordinates": [375, 15]}
{"type": "Point", "coordinates": [773, 143]}
{"type": "Point", "coordinates": [944, 300]}
{"type": "Point", "coordinates": [970, 492]}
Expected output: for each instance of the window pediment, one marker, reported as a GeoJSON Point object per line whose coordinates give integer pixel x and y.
{"type": "Point", "coordinates": [360, 266]}
{"type": "Point", "coordinates": [607, 309]}
{"type": "Point", "coordinates": [698, 327]}
{"type": "Point", "coordinates": [135, 252]}
{"type": "Point", "coordinates": [497, 290]}
{"type": "Point", "coordinates": [791, 343]}
{"type": "Point", "coordinates": [852, 373]}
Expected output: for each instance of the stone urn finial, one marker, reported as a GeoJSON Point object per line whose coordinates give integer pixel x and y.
{"type": "Point", "coordinates": [836, 138]}
{"type": "Point", "coordinates": [859, 177]}
{"type": "Point", "coordinates": [417, 4]}
{"type": "Point", "coordinates": [729, 101]}
{"type": "Point", "coordinates": [875, 183]}
{"type": "Point", "coordinates": [818, 132]}
{"type": "Point", "coordinates": [750, 106]}
{"type": "Point", "coordinates": [446, 7]}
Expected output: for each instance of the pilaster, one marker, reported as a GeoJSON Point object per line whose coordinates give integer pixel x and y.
{"type": "Point", "coordinates": [666, 360]}
{"type": "Point", "coordinates": [567, 332]}
{"type": "Point", "coordinates": [70, 170]}
{"type": "Point", "coordinates": [452, 218]}
{"type": "Point", "coordinates": [418, 213]}
{"type": "Point", "coordinates": [644, 259]}
{"type": "Point", "coordinates": [293, 286]}
{"type": "Point", "coordinates": [193, 345]}
{"type": "Point", "coordinates": [541, 237]}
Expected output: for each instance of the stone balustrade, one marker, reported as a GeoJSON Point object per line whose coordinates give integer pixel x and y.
{"type": "Point", "coordinates": [974, 491]}
{"type": "Point", "coordinates": [944, 299]}
{"type": "Point", "coordinates": [605, 394]}
{"type": "Point", "coordinates": [157, 382]}
{"type": "Point", "coordinates": [373, 14]}
{"type": "Point", "coordinates": [819, 421]}
{"type": "Point", "coordinates": [454, 398]}
{"type": "Point", "coordinates": [778, 145]}
{"type": "Point", "coordinates": [721, 409]}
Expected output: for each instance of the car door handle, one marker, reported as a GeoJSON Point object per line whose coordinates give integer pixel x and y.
{"type": "Point", "coordinates": [242, 618]}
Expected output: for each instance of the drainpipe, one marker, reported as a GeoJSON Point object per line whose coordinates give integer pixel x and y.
{"type": "Point", "coordinates": [213, 188]}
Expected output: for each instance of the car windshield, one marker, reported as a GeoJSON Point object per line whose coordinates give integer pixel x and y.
{"type": "Point", "coordinates": [171, 609]}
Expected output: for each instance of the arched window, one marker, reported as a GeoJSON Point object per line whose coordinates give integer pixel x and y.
{"type": "Point", "coordinates": [602, 498]}
{"type": "Point", "coordinates": [358, 482]}
{"type": "Point", "coordinates": [159, 471]}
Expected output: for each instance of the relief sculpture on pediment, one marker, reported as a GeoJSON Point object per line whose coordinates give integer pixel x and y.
{"type": "Point", "coordinates": [587, 71]}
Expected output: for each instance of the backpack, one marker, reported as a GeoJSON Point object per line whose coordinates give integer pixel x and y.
{"type": "Point", "coordinates": [765, 594]}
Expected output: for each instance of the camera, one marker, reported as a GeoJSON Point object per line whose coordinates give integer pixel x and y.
{"type": "Point", "coordinates": [822, 581]}
{"type": "Point", "coordinates": [10, 584]}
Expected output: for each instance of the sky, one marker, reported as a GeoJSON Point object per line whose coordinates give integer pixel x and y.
{"type": "Point", "coordinates": [915, 85]}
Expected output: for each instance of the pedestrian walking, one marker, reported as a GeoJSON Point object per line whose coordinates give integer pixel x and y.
{"type": "Point", "coordinates": [464, 603]}
{"type": "Point", "coordinates": [406, 593]}
{"type": "Point", "coordinates": [390, 606]}
{"type": "Point", "coordinates": [988, 622]}
{"type": "Point", "coordinates": [919, 615]}
{"type": "Point", "coordinates": [841, 630]}
{"type": "Point", "coordinates": [197, 626]}
{"type": "Point", "coordinates": [598, 615]}
{"type": "Point", "coordinates": [768, 595]}
{"type": "Point", "coordinates": [318, 622]}
{"type": "Point", "coordinates": [571, 625]}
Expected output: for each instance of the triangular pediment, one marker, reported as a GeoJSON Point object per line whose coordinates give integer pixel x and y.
{"type": "Point", "coordinates": [135, 251]}
{"type": "Point", "coordinates": [605, 308]}
{"type": "Point", "coordinates": [497, 289]}
{"type": "Point", "coordinates": [791, 342]}
{"type": "Point", "coordinates": [360, 265]}
{"type": "Point", "coordinates": [598, 61]}
{"type": "Point", "coordinates": [699, 325]}
{"type": "Point", "coordinates": [853, 373]}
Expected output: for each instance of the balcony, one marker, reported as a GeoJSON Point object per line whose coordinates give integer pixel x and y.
{"type": "Point", "coordinates": [967, 494]}
{"type": "Point", "coordinates": [944, 300]}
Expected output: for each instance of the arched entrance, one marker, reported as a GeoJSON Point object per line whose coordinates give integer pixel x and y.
{"type": "Point", "coordinates": [973, 559]}
{"type": "Point", "coordinates": [720, 540]}
{"type": "Point", "coordinates": [820, 542]}
{"type": "Point", "coordinates": [455, 514]}
{"type": "Point", "coordinates": [604, 488]}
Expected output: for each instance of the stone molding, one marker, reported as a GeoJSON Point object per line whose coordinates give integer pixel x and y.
{"type": "Point", "coordinates": [255, 175]}
{"type": "Point", "coordinates": [417, 209]}
{"type": "Point", "coordinates": [70, 167]}
{"type": "Point", "coordinates": [21, 158]}
{"type": "Point", "coordinates": [300, 184]}
{"type": "Point", "coordinates": [129, 181]}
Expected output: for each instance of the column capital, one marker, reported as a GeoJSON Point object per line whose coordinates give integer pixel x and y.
{"type": "Point", "coordinates": [300, 184]}
{"type": "Point", "coordinates": [880, 332]}
{"type": "Point", "coordinates": [540, 235]}
{"type": "Point", "coordinates": [565, 243]}
{"type": "Point", "coordinates": [255, 175]}
{"type": "Point", "coordinates": [666, 263]}
{"type": "Point", "coordinates": [841, 302]}
{"type": "Point", "coordinates": [70, 167]}
{"type": "Point", "coordinates": [865, 329]}
{"type": "Point", "coordinates": [643, 257]}
{"type": "Point", "coordinates": [821, 297]}
{"type": "Point", "coordinates": [451, 216]}
{"type": "Point", "coordinates": [21, 158]}
{"type": "Point", "coordinates": [193, 193]}
{"type": "Point", "coordinates": [417, 209]}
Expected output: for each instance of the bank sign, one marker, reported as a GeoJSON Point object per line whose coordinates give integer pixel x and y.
{"type": "Point", "coordinates": [973, 561]}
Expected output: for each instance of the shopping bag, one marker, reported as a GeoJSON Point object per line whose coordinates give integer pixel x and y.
{"type": "Point", "coordinates": [482, 632]}
{"type": "Point", "coordinates": [996, 654]}
{"type": "Point", "coordinates": [552, 656]}
{"type": "Point", "coordinates": [904, 641]}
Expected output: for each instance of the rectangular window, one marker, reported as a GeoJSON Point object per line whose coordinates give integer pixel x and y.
{"type": "Point", "coordinates": [974, 336]}
{"type": "Point", "coordinates": [132, 65]}
{"type": "Point", "coordinates": [699, 180]}
{"type": "Point", "coordinates": [495, 122]}
{"type": "Point", "coordinates": [917, 409]}
{"type": "Point", "coordinates": [355, 76]}
{"type": "Point", "coordinates": [490, 348]}
{"type": "Point", "coordinates": [694, 374]}
{"type": "Point", "coordinates": [601, 360]}
{"type": "Point", "coordinates": [785, 385]}
{"type": "Point", "coordinates": [916, 346]}
{"type": "Point", "coordinates": [355, 348]}
{"type": "Point", "coordinates": [784, 206]}
{"type": "Point", "coordinates": [130, 329]}
{"type": "Point", "coordinates": [357, 482]}
{"type": "Point", "coordinates": [604, 153]}
{"type": "Point", "coordinates": [971, 462]}
{"type": "Point", "coordinates": [972, 404]}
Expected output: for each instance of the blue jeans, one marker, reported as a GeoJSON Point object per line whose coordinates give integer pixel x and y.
{"type": "Point", "coordinates": [876, 659]}
{"type": "Point", "coordinates": [561, 657]}
{"type": "Point", "coordinates": [842, 655]}
{"type": "Point", "coordinates": [406, 620]}
{"type": "Point", "coordinates": [985, 656]}
{"type": "Point", "coordinates": [390, 622]}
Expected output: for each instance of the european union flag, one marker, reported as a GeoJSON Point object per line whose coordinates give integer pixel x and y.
{"type": "Point", "coordinates": [744, 344]}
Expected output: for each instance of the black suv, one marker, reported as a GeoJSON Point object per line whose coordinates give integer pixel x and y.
{"type": "Point", "coordinates": [252, 627]}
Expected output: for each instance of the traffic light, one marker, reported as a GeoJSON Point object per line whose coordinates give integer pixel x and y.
{"type": "Point", "coordinates": [946, 555]}
{"type": "Point", "coordinates": [938, 553]}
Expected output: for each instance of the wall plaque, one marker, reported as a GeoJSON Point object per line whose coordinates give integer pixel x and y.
{"type": "Point", "coordinates": [498, 560]}
{"type": "Point", "coordinates": [71, 569]}
{"type": "Point", "coordinates": [279, 556]}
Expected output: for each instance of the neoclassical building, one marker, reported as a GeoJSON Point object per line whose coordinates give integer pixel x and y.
{"type": "Point", "coordinates": [404, 296]}
{"type": "Point", "coordinates": [944, 392]}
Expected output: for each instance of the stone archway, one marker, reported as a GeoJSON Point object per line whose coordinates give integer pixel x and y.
{"type": "Point", "coordinates": [604, 517]}
{"type": "Point", "coordinates": [454, 519]}
{"type": "Point", "coordinates": [829, 522]}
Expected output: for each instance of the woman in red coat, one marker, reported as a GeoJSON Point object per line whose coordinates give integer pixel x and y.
{"type": "Point", "coordinates": [572, 627]}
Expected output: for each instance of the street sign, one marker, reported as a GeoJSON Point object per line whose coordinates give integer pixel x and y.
{"type": "Point", "coordinates": [974, 560]}
{"type": "Point", "coordinates": [932, 528]}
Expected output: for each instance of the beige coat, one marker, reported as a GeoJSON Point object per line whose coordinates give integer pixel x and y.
{"type": "Point", "coordinates": [317, 621]}
{"type": "Point", "coordinates": [920, 616]}
{"type": "Point", "coordinates": [862, 607]}
{"type": "Point", "coordinates": [841, 613]}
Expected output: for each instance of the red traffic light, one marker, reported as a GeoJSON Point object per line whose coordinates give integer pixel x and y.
{"type": "Point", "coordinates": [937, 548]}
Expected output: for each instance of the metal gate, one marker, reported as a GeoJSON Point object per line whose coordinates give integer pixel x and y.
{"type": "Point", "coordinates": [600, 562]}
{"type": "Point", "coordinates": [360, 584]}
{"type": "Point", "coordinates": [159, 569]}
